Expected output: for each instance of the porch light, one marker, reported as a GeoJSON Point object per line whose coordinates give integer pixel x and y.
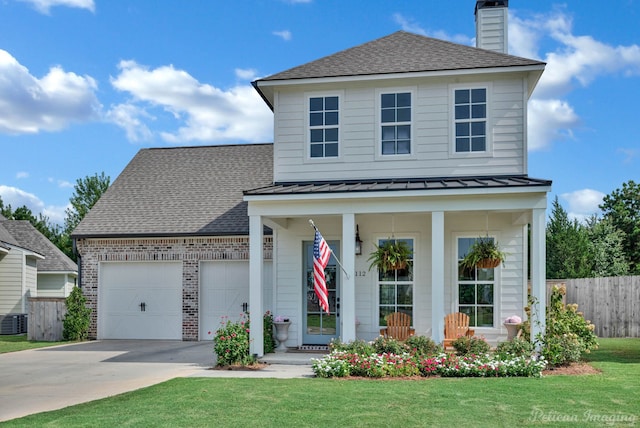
{"type": "Point", "coordinates": [358, 242]}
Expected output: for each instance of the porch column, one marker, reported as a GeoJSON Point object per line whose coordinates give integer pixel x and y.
{"type": "Point", "coordinates": [437, 276]}
{"type": "Point", "coordinates": [538, 272]}
{"type": "Point", "coordinates": [256, 335]}
{"type": "Point", "coordinates": [348, 298]}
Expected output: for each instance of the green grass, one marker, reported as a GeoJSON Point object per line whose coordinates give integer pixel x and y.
{"type": "Point", "coordinates": [588, 400]}
{"type": "Point", "coordinates": [20, 343]}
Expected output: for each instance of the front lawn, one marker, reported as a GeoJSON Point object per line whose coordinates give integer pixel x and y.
{"type": "Point", "coordinates": [611, 398]}
{"type": "Point", "coordinates": [20, 343]}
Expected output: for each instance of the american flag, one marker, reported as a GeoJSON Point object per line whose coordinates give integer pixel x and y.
{"type": "Point", "coordinates": [321, 255]}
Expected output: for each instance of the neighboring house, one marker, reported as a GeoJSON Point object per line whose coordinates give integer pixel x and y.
{"type": "Point", "coordinates": [30, 266]}
{"type": "Point", "coordinates": [405, 137]}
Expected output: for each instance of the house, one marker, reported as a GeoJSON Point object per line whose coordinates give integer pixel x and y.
{"type": "Point", "coordinates": [30, 266]}
{"type": "Point", "coordinates": [404, 138]}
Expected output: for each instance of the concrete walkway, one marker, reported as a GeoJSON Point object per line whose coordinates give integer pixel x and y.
{"type": "Point", "coordinates": [52, 378]}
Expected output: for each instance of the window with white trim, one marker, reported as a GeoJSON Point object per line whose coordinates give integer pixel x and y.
{"type": "Point", "coordinates": [476, 289]}
{"type": "Point", "coordinates": [323, 126]}
{"type": "Point", "coordinates": [395, 288]}
{"type": "Point", "coordinates": [470, 116]}
{"type": "Point", "coordinates": [395, 119]}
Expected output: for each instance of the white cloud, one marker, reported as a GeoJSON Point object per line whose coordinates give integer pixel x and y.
{"type": "Point", "coordinates": [575, 62]}
{"type": "Point", "coordinates": [18, 198]}
{"type": "Point", "coordinates": [583, 203]}
{"type": "Point", "coordinates": [44, 6]}
{"type": "Point", "coordinates": [129, 117]}
{"type": "Point", "coordinates": [22, 174]}
{"type": "Point", "coordinates": [410, 25]}
{"type": "Point", "coordinates": [246, 73]}
{"type": "Point", "coordinates": [284, 34]}
{"type": "Point", "coordinates": [29, 105]}
{"type": "Point", "coordinates": [550, 120]}
{"type": "Point", "coordinates": [629, 154]}
{"type": "Point", "coordinates": [206, 113]}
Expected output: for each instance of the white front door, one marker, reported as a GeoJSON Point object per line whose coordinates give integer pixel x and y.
{"type": "Point", "coordinates": [140, 300]}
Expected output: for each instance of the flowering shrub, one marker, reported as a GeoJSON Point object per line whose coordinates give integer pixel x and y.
{"type": "Point", "coordinates": [422, 346]}
{"type": "Point", "coordinates": [269, 341]}
{"type": "Point", "coordinates": [568, 335]}
{"type": "Point", "coordinates": [341, 364]}
{"type": "Point", "coordinates": [470, 345]}
{"type": "Point", "coordinates": [420, 356]}
{"type": "Point", "coordinates": [516, 347]}
{"type": "Point", "coordinates": [231, 342]}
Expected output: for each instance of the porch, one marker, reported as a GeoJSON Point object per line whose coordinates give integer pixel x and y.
{"type": "Point", "coordinates": [435, 223]}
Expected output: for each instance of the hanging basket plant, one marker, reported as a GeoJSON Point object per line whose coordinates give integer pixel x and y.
{"type": "Point", "coordinates": [484, 254]}
{"type": "Point", "coordinates": [390, 256]}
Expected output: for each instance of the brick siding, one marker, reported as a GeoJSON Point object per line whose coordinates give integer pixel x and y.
{"type": "Point", "coordinates": [191, 251]}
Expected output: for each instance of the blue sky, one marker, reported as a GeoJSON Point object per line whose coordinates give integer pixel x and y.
{"type": "Point", "coordinates": [85, 84]}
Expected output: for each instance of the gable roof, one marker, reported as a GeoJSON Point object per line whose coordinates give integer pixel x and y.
{"type": "Point", "coordinates": [401, 52]}
{"type": "Point", "coordinates": [21, 233]}
{"type": "Point", "coordinates": [181, 191]}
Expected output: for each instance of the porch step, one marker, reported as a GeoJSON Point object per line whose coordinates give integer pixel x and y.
{"type": "Point", "coordinates": [310, 348]}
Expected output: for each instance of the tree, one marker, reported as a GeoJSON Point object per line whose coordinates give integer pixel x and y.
{"type": "Point", "coordinates": [75, 325]}
{"type": "Point", "coordinates": [622, 208]}
{"type": "Point", "coordinates": [52, 231]}
{"type": "Point", "coordinates": [567, 246]}
{"type": "Point", "coordinates": [606, 248]}
{"type": "Point", "coordinates": [87, 191]}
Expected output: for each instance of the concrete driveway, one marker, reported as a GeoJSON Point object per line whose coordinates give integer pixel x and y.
{"type": "Point", "coordinates": [46, 379]}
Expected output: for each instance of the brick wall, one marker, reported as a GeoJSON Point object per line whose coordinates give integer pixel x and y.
{"type": "Point", "coordinates": [190, 250]}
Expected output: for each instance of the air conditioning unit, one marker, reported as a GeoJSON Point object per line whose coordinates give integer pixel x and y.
{"type": "Point", "coordinates": [10, 324]}
{"type": "Point", "coordinates": [13, 323]}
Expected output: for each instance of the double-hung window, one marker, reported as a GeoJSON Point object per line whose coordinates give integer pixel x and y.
{"type": "Point", "coordinates": [395, 119]}
{"type": "Point", "coordinates": [470, 110]}
{"type": "Point", "coordinates": [476, 289]}
{"type": "Point", "coordinates": [323, 126]}
{"type": "Point", "coordinates": [395, 288]}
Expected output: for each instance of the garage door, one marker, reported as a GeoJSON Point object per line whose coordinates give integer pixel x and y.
{"type": "Point", "coordinates": [140, 301]}
{"type": "Point", "coordinates": [224, 287]}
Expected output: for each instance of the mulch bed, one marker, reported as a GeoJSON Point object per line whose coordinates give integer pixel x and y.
{"type": "Point", "coordinates": [573, 369]}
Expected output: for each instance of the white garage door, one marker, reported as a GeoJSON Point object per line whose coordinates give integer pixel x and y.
{"type": "Point", "coordinates": [140, 301]}
{"type": "Point", "coordinates": [224, 287]}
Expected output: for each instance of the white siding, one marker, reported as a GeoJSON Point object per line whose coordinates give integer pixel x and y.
{"type": "Point", "coordinates": [432, 154]}
{"type": "Point", "coordinates": [510, 286]}
{"type": "Point", "coordinates": [54, 284]}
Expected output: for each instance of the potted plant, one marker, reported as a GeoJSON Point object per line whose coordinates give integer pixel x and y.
{"type": "Point", "coordinates": [281, 323]}
{"type": "Point", "coordinates": [391, 255]}
{"type": "Point", "coordinates": [484, 254]}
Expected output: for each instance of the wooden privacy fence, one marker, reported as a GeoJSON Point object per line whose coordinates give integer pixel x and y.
{"type": "Point", "coordinates": [612, 304]}
{"type": "Point", "coordinates": [45, 318]}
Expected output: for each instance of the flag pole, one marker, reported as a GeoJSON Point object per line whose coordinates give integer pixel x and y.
{"type": "Point", "coordinates": [332, 253]}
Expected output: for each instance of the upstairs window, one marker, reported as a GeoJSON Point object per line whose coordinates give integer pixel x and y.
{"type": "Point", "coordinates": [471, 120]}
{"type": "Point", "coordinates": [395, 117]}
{"type": "Point", "coordinates": [323, 127]}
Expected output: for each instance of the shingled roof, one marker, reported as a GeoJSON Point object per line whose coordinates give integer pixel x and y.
{"type": "Point", "coordinates": [21, 233]}
{"type": "Point", "coordinates": [181, 191]}
{"type": "Point", "coordinates": [401, 52]}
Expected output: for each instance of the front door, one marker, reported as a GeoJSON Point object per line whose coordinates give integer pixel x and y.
{"type": "Point", "coordinates": [319, 327]}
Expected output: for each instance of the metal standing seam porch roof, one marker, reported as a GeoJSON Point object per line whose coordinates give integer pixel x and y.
{"type": "Point", "coordinates": [390, 185]}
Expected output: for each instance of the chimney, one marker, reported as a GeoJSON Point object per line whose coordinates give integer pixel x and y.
{"type": "Point", "coordinates": [491, 25]}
